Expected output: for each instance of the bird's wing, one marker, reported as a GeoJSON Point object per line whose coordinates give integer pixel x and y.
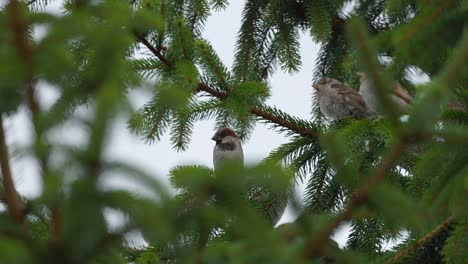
{"type": "Point", "coordinates": [352, 97]}
{"type": "Point", "coordinates": [402, 93]}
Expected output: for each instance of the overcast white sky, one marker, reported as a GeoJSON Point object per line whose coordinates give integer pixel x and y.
{"type": "Point", "coordinates": [291, 93]}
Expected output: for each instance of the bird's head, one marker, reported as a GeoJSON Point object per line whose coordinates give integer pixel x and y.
{"type": "Point", "coordinates": [324, 82]}
{"type": "Point", "coordinates": [224, 135]}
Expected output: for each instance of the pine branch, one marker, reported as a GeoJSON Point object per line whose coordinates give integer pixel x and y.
{"type": "Point", "coordinates": [25, 52]}
{"type": "Point", "coordinates": [284, 120]}
{"type": "Point", "coordinates": [359, 198]}
{"type": "Point", "coordinates": [202, 242]}
{"type": "Point", "coordinates": [456, 66]}
{"type": "Point", "coordinates": [212, 66]}
{"type": "Point", "coordinates": [315, 196]}
{"type": "Point", "coordinates": [258, 111]}
{"type": "Point", "coordinates": [156, 51]}
{"type": "Point", "coordinates": [368, 55]}
{"type": "Point", "coordinates": [204, 87]}
{"type": "Point", "coordinates": [262, 113]}
{"type": "Point", "coordinates": [422, 241]}
{"type": "Point", "coordinates": [37, 3]}
{"type": "Point", "coordinates": [425, 22]}
{"type": "Point", "coordinates": [248, 28]}
{"type": "Point", "coordinates": [12, 199]}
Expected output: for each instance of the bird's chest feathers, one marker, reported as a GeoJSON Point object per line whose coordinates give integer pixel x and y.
{"type": "Point", "coordinates": [230, 146]}
{"type": "Point", "coordinates": [228, 152]}
{"type": "Point", "coordinates": [331, 104]}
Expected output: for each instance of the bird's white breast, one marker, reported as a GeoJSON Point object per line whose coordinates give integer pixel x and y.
{"type": "Point", "coordinates": [221, 156]}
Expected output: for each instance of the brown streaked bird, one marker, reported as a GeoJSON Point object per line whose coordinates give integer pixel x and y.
{"type": "Point", "coordinates": [338, 100]}
{"type": "Point", "coordinates": [228, 149]}
{"type": "Point", "coordinates": [399, 95]}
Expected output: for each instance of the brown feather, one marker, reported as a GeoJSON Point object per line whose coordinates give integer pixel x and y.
{"type": "Point", "coordinates": [402, 93]}
{"type": "Point", "coordinates": [228, 132]}
{"type": "Point", "coordinates": [351, 96]}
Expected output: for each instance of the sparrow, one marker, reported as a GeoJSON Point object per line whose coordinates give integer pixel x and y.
{"type": "Point", "coordinates": [338, 100]}
{"type": "Point", "coordinates": [399, 95]}
{"type": "Point", "coordinates": [228, 148]}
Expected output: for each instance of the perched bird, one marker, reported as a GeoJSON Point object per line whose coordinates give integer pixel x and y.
{"type": "Point", "coordinates": [338, 100]}
{"type": "Point", "coordinates": [228, 148]}
{"type": "Point", "coordinates": [400, 97]}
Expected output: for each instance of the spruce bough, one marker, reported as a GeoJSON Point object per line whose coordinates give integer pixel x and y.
{"type": "Point", "coordinates": [364, 173]}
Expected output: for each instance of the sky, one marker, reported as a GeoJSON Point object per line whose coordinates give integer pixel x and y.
{"type": "Point", "coordinates": [290, 93]}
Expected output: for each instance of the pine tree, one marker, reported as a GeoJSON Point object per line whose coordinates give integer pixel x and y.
{"type": "Point", "coordinates": [391, 180]}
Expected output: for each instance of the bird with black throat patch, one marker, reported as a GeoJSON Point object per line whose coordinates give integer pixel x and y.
{"type": "Point", "coordinates": [228, 148]}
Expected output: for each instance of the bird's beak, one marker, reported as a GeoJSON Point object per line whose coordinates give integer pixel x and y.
{"type": "Point", "coordinates": [215, 138]}
{"type": "Point", "coordinates": [317, 86]}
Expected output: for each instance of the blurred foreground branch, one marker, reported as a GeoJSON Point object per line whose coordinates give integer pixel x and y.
{"type": "Point", "coordinates": [11, 196]}
{"type": "Point", "coordinates": [422, 241]}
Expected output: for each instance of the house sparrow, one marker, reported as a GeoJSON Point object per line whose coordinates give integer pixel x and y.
{"type": "Point", "coordinates": [338, 100]}
{"type": "Point", "coordinates": [228, 148]}
{"type": "Point", "coordinates": [400, 97]}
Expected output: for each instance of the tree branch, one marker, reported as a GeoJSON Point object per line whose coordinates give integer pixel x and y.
{"type": "Point", "coordinates": [261, 113]}
{"type": "Point", "coordinates": [11, 196]}
{"type": "Point", "coordinates": [223, 95]}
{"type": "Point", "coordinates": [204, 87]}
{"type": "Point", "coordinates": [422, 241]}
{"type": "Point", "coordinates": [357, 200]}
{"type": "Point", "coordinates": [25, 51]}
{"type": "Point", "coordinates": [155, 51]}
{"type": "Point", "coordinates": [284, 123]}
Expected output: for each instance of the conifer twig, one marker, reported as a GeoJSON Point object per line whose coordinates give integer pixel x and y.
{"type": "Point", "coordinates": [11, 196]}
{"type": "Point", "coordinates": [222, 95]}
{"type": "Point", "coordinates": [263, 114]}
{"type": "Point", "coordinates": [425, 22]}
{"type": "Point", "coordinates": [25, 51]}
{"type": "Point", "coordinates": [204, 87]}
{"type": "Point", "coordinates": [422, 241]}
{"type": "Point", "coordinates": [157, 52]}
{"type": "Point", "coordinates": [31, 2]}
{"type": "Point", "coordinates": [357, 199]}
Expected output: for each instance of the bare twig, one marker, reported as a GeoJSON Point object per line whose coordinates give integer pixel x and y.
{"type": "Point", "coordinates": [11, 196]}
